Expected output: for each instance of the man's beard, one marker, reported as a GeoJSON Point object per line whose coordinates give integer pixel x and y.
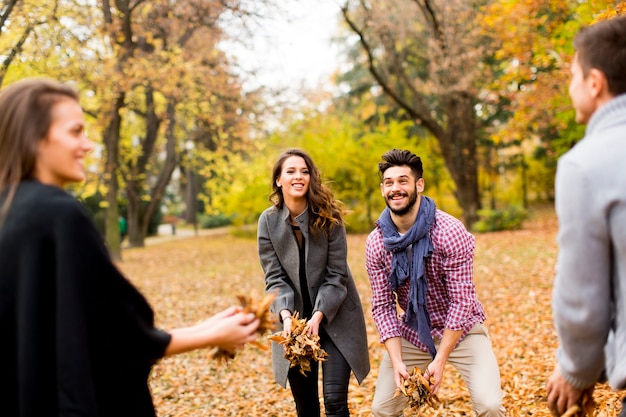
{"type": "Point", "coordinates": [403, 210]}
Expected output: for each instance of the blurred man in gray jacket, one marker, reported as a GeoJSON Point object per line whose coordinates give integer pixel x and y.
{"type": "Point", "coordinates": [589, 296]}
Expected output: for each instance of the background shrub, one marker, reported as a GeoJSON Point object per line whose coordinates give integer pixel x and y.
{"type": "Point", "coordinates": [510, 218]}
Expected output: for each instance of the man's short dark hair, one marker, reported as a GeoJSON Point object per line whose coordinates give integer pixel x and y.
{"type": "Point", "coordinates": [397, 158]}
{"type": "Point", "coordinates": [603, 46]}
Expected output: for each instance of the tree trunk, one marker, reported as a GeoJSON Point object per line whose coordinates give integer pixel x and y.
{"type": "Point", "coordinates": [135, 184]}
{"type": "Point", "coordinates": [112, 145]}
{"type": "Point", "coordinates": [134, 187]}
{"type": "Point", "coordinates": [136, 239]}
{"type": "Point", "coordinates": [139, 214]}
{"type": "Point", "coordinates": [165, 174]}
{"type": "Point", "coordinates": [458, 146]}
{"type": "Point", "coordinates": [524, 169]}
{"type": "Point", "coordinates": [191, 196]}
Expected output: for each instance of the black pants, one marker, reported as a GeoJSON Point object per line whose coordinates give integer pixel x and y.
{"type": "Point", "coordinates": [335, 379]}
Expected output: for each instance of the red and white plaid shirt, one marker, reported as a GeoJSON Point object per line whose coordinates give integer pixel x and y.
{"type": "Point", "coordinates": [451, 296]}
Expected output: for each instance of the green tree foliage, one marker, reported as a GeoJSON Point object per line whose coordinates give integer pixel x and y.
{"type": "Point", "coordinates": [347, 152]}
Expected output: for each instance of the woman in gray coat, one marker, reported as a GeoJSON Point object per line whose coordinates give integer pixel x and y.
{"type": "Point", "coordinates": [302, 248]}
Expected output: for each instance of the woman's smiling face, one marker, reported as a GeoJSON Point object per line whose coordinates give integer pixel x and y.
{"type": "Point", "coordinates": [60, 155]}
{"type": "Point", "coordinates": [294, 178]}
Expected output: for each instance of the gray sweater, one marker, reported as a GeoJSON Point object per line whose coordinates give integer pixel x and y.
{"type": "Point", "coordinates": [589, 295]}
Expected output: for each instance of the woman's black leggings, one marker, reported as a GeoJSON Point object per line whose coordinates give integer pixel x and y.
{"type": "Point", "coordinates": [335, 378]}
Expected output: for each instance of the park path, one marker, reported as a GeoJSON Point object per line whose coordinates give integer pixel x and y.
{"type": "Point", "coordinates": [164, 233]}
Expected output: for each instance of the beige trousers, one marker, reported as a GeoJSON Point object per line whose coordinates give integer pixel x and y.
{"type": "Point", "coordinates": [473, 358]}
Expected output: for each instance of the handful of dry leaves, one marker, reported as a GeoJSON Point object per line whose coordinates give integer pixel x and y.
{"type": "Point", "coordinates": [261, 311]}
{"type": "Point", "coordinates": [585, 407]}
{"type": "Point", "coordinates": [300, 348]}
{"type": "Point", "coordinates": [417, 390]}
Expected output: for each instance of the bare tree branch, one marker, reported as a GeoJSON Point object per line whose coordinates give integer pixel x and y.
{"type": "Point", "coordinates": [14, 52]}
{"type": "Point", "coordinates": [6, 12]}
{"type": "Point", "coordinates": [419, 117]}
{"type": "Point", "coordinates": [429, 14]}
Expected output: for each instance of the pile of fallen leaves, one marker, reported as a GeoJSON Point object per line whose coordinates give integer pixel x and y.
{"type": "Point", "coordinates": [416, 388]}
{"type": "Point", "coordinates": [261, 310]}
{"type": "Point", "coordinates": [300, 348]}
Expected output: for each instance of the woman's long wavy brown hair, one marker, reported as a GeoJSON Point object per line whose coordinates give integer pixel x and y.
{"type": "Point", "coordinates": [326, 212]}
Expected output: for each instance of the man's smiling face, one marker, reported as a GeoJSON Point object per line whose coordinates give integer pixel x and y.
{"type": "Point", "coordinates": [400, 189]}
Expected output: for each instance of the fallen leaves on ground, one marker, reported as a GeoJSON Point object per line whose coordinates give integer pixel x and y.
{"type": "Point", "coordinates": [187, 280]}
{"type": "Point", "coordinates": [300, 348]}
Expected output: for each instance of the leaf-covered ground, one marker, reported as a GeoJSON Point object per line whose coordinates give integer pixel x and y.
{"type": "Point", "coordinates": [186, 280]}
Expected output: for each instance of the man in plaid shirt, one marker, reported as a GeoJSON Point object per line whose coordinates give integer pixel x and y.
{"type": "Point", "coordinates": [421, 259]}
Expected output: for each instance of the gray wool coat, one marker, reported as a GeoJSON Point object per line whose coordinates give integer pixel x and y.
{"type": "Point", "coordinates": [330, 283]}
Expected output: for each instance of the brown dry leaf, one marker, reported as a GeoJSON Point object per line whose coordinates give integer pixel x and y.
{"type": "Point", "coordinates": [261, 310]}
{"type": "Point", "coordinates": [416, 388]}
{"type": "Point", "coordinates": [300, 348]}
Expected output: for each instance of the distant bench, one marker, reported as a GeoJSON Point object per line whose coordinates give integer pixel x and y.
{"type": "Point", "coordinates": [171, 220]}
